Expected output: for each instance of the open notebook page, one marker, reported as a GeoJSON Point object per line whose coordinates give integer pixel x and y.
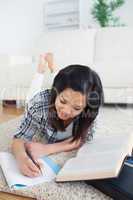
{"type": "Point", "coordinates": [16, 180]}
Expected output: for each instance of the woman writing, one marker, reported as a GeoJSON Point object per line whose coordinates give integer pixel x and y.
{"type": "Point", "coordinates": [64, 114]}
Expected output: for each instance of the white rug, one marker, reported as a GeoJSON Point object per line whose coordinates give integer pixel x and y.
{"type": "Point", "coordinates": [110, 121]}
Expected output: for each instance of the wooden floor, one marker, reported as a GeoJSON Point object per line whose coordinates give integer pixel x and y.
{"type": "Point", "coordinates": [6, 196]}
{"type": "Point", "coordinates": [7, 113]}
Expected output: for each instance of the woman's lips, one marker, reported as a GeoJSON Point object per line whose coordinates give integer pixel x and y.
{"type": "Point", "coordinates": [63, 115]}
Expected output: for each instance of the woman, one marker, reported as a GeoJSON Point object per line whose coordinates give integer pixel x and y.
{"type": "Point", "coordinates": [64, 114]}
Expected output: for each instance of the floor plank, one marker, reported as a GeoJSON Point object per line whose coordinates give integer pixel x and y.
{"type": "Point", "coordinates": [6, 196]}
{"type": "Point", "coordinates": [8, 113]}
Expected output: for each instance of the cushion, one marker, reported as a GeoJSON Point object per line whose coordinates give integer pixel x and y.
{"type": "Point", "coordinates": [68, 47]}
{"type": "Point", "coordinates": [110, 121]}
{"type": "Point", "coordinates": [114, 43]}
{"type": "Point", "coordinates": [115, 73]}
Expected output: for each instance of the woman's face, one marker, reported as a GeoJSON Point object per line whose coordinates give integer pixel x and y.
{"type": "Point", "coordinates": [69, 104]}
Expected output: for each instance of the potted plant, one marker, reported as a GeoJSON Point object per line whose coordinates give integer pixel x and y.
{"type": "Point", "coordinates": [103, 12]}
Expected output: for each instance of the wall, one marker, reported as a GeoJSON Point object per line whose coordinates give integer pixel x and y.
{"type": "Point", "coordinates": [21, 23]}
{"type": "Point", "coordinates": [126, 13]}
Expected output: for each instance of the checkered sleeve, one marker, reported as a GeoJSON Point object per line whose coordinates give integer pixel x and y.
{"type": "Point", "coordinates": [30, 122]}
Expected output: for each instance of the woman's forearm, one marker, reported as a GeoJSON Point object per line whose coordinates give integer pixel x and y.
{"type": "Point", "coordinates": [18, 148]}
{"type": "Point", "coordinates": [36, 149]}
{"type": "Point", "coordinates": [64, 146]}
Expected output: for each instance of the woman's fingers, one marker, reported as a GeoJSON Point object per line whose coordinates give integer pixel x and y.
{"type": "Point", "coordinates": [28, 172]}
{"type": "Point", "coordinates": [34, 167]}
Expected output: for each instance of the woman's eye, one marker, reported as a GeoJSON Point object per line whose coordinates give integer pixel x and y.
{"type": "Point", "coordinates": [77, 109]}
{"type": "Point", "coordinates": [63, 102]}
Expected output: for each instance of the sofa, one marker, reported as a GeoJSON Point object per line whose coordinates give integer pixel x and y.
{"type": "Point", "coordinates": [109, 51]}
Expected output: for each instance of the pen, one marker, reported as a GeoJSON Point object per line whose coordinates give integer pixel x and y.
{"type": "Point", "coordinates": [37, 165]}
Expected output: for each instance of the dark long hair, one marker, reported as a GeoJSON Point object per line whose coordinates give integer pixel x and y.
{"type": "Point", "coordinates": [86, 81]}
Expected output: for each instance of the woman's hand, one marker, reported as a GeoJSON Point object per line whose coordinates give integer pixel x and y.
{"type": "Point", "coordinates": [43, 60]}
{"type": "Point", "coordinates": [28, 168]}
{"type": "Point", "coordinates": [36, 149]}
{"type": "Point", "coordinates": [26, 165]}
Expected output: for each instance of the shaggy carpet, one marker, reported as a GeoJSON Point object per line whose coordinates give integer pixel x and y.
{"type": "Point", "coordinates": [110, 121]}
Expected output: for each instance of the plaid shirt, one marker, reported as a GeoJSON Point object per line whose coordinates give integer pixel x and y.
{"type": "Point", "coordinates": [35, 119]}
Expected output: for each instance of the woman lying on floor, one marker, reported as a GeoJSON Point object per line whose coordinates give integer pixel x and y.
{"type": "Point", "coordinates": [64, 114]}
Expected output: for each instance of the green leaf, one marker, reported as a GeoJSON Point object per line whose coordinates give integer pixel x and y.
{"type": "Point", "coordinates": [102, 11]}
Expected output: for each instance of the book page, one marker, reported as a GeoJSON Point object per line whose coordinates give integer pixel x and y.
{"type": "Point", "coordinates": [100, 158]}
{"type": "Point", "coordinates": [107, 144]}
{"type": "Point", "coordinates": [17, 180]}
{"type": "Point", "coordinates": [96, 166]}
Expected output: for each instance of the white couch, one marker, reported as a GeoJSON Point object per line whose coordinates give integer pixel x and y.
{"type": "Point", "coordinates": [113, 60]}
{"type": "Point", "coordinates": [107, 50]}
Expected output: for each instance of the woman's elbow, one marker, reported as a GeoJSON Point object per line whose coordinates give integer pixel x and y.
{"type": "Point", "coordinates": [77, 144]}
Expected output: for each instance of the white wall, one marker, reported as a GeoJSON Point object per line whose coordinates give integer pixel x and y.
{"type": "Point", "coordinates": [21, 22]}
{"type": "Point", "coordinates": [126, 13]}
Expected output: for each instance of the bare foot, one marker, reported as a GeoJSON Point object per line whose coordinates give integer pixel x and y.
{"type": "Point", "coordinates": [46, 58]}
{"type": "Point", "coordinates": [42, 64]}
{"type": "Point", "coordinates": [50, 60]}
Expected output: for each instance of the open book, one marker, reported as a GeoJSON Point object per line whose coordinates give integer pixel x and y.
{"type": "Point", "coordinates": [16, 180]}
{"type": "Point", "coordinates": [100, 158]}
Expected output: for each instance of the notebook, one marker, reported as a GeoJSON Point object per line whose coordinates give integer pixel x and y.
{"type": "Point", "coordinates": [16, 180]}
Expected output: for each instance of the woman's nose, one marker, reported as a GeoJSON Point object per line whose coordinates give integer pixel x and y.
{"type": "Point", "coordinates": [67, 111]}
